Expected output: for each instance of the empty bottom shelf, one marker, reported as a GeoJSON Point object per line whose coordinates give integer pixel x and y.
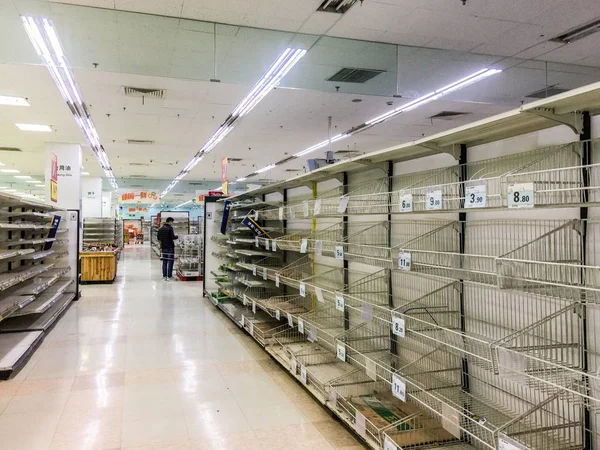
{"type": "Point", "coordinates": [14, 349]}
{"type": "Point", "coordinates": [34, 322]}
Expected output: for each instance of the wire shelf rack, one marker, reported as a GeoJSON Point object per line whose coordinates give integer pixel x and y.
{"type": "Point", "coordinates": [325, 324]}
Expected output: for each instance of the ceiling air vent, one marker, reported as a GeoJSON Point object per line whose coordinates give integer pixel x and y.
{"type": "Point", "coordinates": [350, 75]}
{"type": "Point", "coordinates": [336, 6]}
{"type": "Point", "coordinates": [448, 115]}
{"type": "Point", "coordinates": [578, 33]}
{"type": "Point", "coordinates": [10, 149]}
{"type": "Point", "coordinates": [138, 176]}
{"type": "Point", "coordinates": [139, 142]}
{"type": "Point", "coordinates": [138, 164]}
{"type": "Point", "coordinates": [546, 92]}
{"type": "Point", "coordinates": [347, 152]}
{"type": "Point", "coordinates": [234, 159]}
{"type": "Point", "coordinates": [130, 91]}
{"type": "Point", "coordinates": [294, 170]}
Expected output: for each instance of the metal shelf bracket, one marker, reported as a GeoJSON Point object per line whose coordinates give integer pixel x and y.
{"type": "Point", "coordinates": [574, 120]}
{"type": "Point", "coordinates": [454, 149]}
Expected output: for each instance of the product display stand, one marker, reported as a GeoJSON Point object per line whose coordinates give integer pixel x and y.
{"type": "Point", "coordinates": [189, 261]}
{"type": "Point", "coordinates": [448, 307]}
{"type": "Point", "coordinates": [101, 231]}
{"type": "Point", "coordinates": [39, 277]}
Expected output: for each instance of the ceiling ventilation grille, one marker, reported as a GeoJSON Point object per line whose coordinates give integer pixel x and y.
{"type": "Point", "coordinates": [139, 142]}
{"type": "Point", "coordinates": [546, 92]}
{"type": "Point", "coordinates": [138, 176]}
{"type": "Point", "coordinates": [448, 115]}
{"type": "Point", "coordinates": [294, 170]}
{"type": "Point", "coordinates": [10, 149]}
{"type": "Point", "coordinates": [350, 75]}
{"type": "Point", "coordinates": [138, 164]}
{"type": "Point", "coordinates": [578, 33]}
{"type": "Point", "coordinates": [336, 6]}
{"type": "Point", "coordinates": [130, 91]}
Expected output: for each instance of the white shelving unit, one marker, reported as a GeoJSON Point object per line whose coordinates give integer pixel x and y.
{"type": "Point", "coordinates": [39, 274]}
{"type": "Point", "coordinates": [452, 306]}
{"type": "Point", "coordinates": [102, 230]}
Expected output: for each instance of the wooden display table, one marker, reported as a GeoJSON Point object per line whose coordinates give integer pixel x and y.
{"type": "Point", "coordinates": [99, 266]}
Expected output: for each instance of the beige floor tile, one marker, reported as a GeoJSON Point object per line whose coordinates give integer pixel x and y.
{"type": "Point", "coordinates": [154, 431]}
{"type": "Point", "coordinates": [9, 388]}
{"type": "Point", "coordinates": [92, 434]}
{"type": "Point", "coordinates": [149, 376]}
{"type": "Point", "coordinates": [246, 440]}
{"type": "Point", "coordinates": [52, 402]}
{"type": "Point", "coordinates": [38, 440]}
{"type": "Point", "coordinates": [4, 401]}
{"type": "Point", "coordinates": [23, 423]}
{"type": "Point", "coordinates": [98, 381]}
{"type": "Point", "coordinates": [45, 386]}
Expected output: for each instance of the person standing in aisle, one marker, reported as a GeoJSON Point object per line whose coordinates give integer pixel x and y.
{"type": "Point", "coordinates": [166, 236]}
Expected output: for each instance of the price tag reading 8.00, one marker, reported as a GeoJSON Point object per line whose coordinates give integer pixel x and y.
{"type": "Point", "coordinates": [521, 195]}
{"type": "Point", "coordinates": [302, 290]}
{"type": "Point", "coordinates": [404, 261]}
{"type": "Point", "coordinates": [433, 200]}
{"type": "Point", "coordinates": [406, 203]}
{"type": "Point", "coordinates": [339, 252]}
{"type": "Point", "coordinates": [476, 196]}
{"type": "Point", "coordinates": [398, 388]}
{"type": "Point", "coordinates": [339, 301]}
{"type": "Point", "coordinates": [398, 327]}
{"type": "Point", "coordinates": [341, 351]}
{"type": "Point", "coordinates": [303, 245]}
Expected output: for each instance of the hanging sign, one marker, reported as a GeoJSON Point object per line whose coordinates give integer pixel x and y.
{"type": "Point", "coordinates": [290, 320]}
{"type": "Point", "coordinates": [224, 182]}
{"type": "Point", "coordinates": [139, 197]}
{"type": "Point", "coordinates": [398, 326]}
{"type": "Point", "coordinates": [303, 245]}
{"type": "Point", "coordinates": [339, 252]}
{"type": "Point", "coordinates": [343, 204]}
{"type": "Point", "coordinates": [54, 179]}
{"type": "Point", "coordinates": [404, 261]}
{"type": "Point", "coordinates": [341, 351]}
{"type": "Point", "coordinates": [302, 290]}
{"type": "Point", "coordinates": [300, 325]}
{"type": "Point", "coordinates": [319, 293]}
{"type": "Point", "coordinates": [339, 301]}
{"type": "Point", "coordinates": [225, 220]}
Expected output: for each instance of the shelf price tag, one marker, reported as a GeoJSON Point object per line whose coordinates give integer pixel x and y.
{"type": "Point", "coordinates": [406, 203]}
{"type": "Point", "coordinates": [317, 207]}
{"type": "Point", "coordinates": [251, 328]}
{"type": "Point", "coordinates": [398, 387]}
{"type": "Point", "coordinates": [341, 351]}
{"type": "Point", "coordinates": [255, 215]}
{"type": "Point", "coordinates": [318, 248]}
{"type": "Point", "coordinates": [253, 306]}
{"type": "Point", "coordinates": [254, 269]}
{"type": "Point", "coordinates": [303, 245]}
{"type": "Point", "coordinates": [404, 261]}
{"type": "Point", "coordinates": [267, 242]}
{"type": "Point", "coordinates": [290, 320]}
{"type": "Point", "coordinates": [243, 321]}
{"type": "Point", "coordinates": [277, 279]}
{"type": "Point", "coordinates": [278, 314]}
{"type": "Point", "coordinates": [312, 334]}
{"type": "Point", "coordinates": [281, 213]}
{"type": "Point", "coordinates": [319, 293]}
{"type": "Point", "coordinates": [389, 445]}
{"type": "Point", "coordinates": [256, 241]}
{"type": "Point", "coordinates": [434, 200]}
{"type": "Point", "coordinates": [476, 196]}
{"type": "Point", "coordinates": [264, 273]}
{"type": "Point", "coordinates": [360, 425]}
{"type": "Point", "coordinates": [302, 290]}
{"type": "Point", "coordinates": [303, 373]}
{"type": "Point", "coordinates": [339, 301]}
{"type": "Point", "coordinates": [300, 325]}
{"type": "Point", "coordinates": [398, 326]}
{"type": "Point", "coordinates": [521, 195]}
{"type": "Point", "coordinates": [371, 369]}
{"type": "Point", "coordinates": [343, 204]}
{"type": "Point", "coordinates": [506, 443]}
{"type": "Point", "coordinates": [274, 246]}
{"type": "Point", "coordinates": [451, 420]}
{"type": "Point", "coordinates": [245, 300]}
{"type": "Point", "coordinates": [293, 365]}
{"type": "Point", "coordinates": [305, 208]}
{"type": "Point", "coordinates": [339, 252]}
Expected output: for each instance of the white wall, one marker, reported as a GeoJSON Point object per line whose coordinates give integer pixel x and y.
{"type": "Point", "coordinates": [91, 197]}
{"type": "Point", "coordinates": [107, 204]}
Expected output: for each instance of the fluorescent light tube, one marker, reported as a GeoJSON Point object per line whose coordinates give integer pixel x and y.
{"type": "Point", "coordinates": [13, 101]}
{"type": "Point", "coordinates": [239, 180]}
{"type": "Point", "coordinates": [33, 127]}
{"type": "Point", "coordinates": [85, 173]}
{"type": "Point", "coordinates": [9, 170]}
{"type": "Point", "coordinates": [32, 181]}
{"type": "Point", "coordinates": [23, 177]}
{"type": "Point", "coordinates": [183, 204]}
{"type": "Point", "coordinates": [272, 77]}
{"type": "Point", "coordinates": [264, 169]}
{"type": "Point", "coordinates": [10, 190]}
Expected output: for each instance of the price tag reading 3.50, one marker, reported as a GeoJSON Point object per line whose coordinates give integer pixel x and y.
{"type": "Point", "coordinates": [433, 200]}
{"type": "Point", "coordinates": [521, 195]}
{"type": "Point", "coordinates": [476, 196]}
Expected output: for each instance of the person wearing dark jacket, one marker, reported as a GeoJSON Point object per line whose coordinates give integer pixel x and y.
{"type": "Point", "coordinates": [166, 236]}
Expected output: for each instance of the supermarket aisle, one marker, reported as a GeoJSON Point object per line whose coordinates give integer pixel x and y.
{"type": "Point", "coordinates": [144, 364]}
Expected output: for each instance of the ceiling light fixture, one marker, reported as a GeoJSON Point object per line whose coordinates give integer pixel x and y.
{"type": "Point", "coordinates": [452, 87]}
{"type": "Point", "coordinates": [239, 180]}
{"type": "Point", "coordinates": [33, 127]}
{"type": "Point", "coordinates": [9, 170]}
{"type": "Point", "coordinates": [23, 177]}
{"type": "Point", "coordinates": [13, 101]}
{"type": "Point", "coordinates": [45, 40]}
{"type": "Point", "coordinates": [33, 181]}
{"type": "Point", "coordinates": [85, 173]}
{"type": "Point", "coordinates": [183, 204]}
{"type": "Point", "coordinates": [282, 65]}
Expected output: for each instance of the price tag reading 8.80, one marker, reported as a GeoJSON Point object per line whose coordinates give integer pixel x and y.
{"type": "Point", "coordinates": [406, 203]}
{"type": "Point", "coordinates": [520, 195]}
{"type": "Point", "coordinates": [433, 200]}
{"type": "Point", "coordinates": [398, 388]}
{"type": "Point", "coordinates": [398, 326]}
{"type": "Point", "coordinates": [476, 196]}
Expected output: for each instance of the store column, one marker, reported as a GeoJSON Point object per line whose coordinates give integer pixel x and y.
{"type": "Point", "coordinates": [63, 175]}
{"type": "Point", "coordinates": [91, 202]}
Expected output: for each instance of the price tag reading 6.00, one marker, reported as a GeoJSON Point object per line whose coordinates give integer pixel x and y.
{"type": "Point", "coordinates": [406, 203]}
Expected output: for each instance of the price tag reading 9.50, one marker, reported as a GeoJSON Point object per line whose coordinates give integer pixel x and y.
{"type": "Point", "coordinates": [406, 203]}
{"type": "Point", "coordinates": [521, 195]}
{"type": "Point", "coordinates": [433, 200]}
{"type": "Point", "coordinates": [476, 196]}
{"type": "Point", "coordinates": [339, 252]}
{"type": "Point", "coordinates": [398, 388]}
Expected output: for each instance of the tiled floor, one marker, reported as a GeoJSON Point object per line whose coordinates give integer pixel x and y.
{"type": "Point", "coordinates": [144, 364]}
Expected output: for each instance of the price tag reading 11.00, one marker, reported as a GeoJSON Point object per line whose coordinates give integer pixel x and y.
{"type": "Point", "coordinates": [476, 196]}
{"type": "Point", "coordinates": [404, 261]}
{"type": "Point", "coordinates": [520, 195]}
{"type": "Point", "coordinates": [406, 203]}
{"type": "Point", "coordinates": [398, 388]}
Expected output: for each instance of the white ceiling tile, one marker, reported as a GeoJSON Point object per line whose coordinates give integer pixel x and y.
{"type": "Point", "coordinates": [273, 23]}
{"type": "Point", "coordinates": [162, 7]}
{"type": "Point", "coordinates": [196, 9]}
{"type": "Point", "coordinates": [453, 44]}
{"type": "Point", "coordinates": [319, 23]}
{"type": "Point", "coordinates": [406, 39]}
{"type": "Point", "coordinates": [94, 3]}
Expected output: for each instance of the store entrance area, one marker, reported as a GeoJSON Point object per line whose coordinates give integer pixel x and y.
{"type": "Point", "coordinates": [148, 364]}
